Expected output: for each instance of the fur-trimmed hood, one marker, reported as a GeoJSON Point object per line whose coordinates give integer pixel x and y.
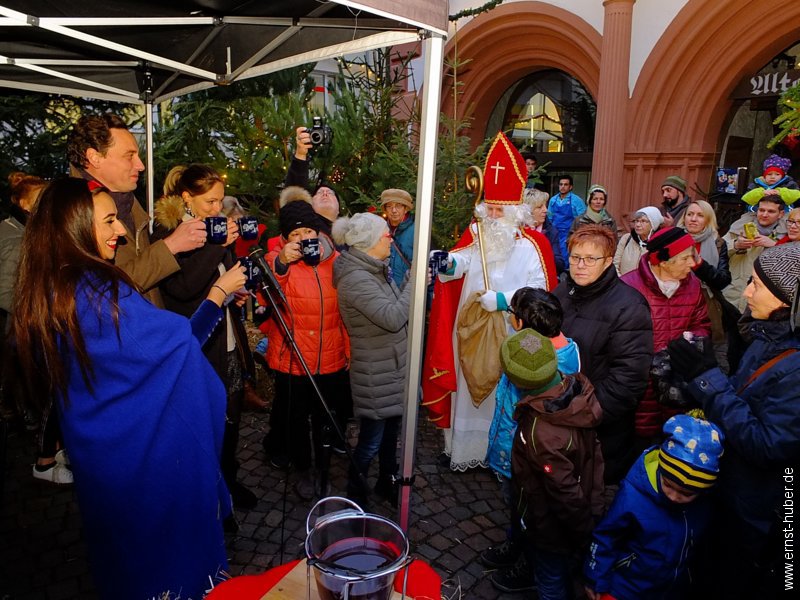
{"type": "Point", "coordinates": [293, 193]}
{"type": "Point", "coordinates": [169, 211]}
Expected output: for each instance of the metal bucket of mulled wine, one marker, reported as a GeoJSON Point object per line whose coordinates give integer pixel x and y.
{"type": "Point", "coordinates": [354, 555]}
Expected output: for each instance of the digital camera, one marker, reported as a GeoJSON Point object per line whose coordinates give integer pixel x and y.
{"type": "Point", "coordinates": [321, 134]}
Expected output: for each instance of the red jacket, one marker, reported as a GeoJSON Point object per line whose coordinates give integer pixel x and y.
{"type": "Point", "coordinates": [313, 315]}
{"type": "Point", "coordinates": [685, 311]}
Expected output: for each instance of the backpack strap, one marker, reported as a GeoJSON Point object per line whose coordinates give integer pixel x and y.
{"type": "Point", "coordinates": [767, 365]}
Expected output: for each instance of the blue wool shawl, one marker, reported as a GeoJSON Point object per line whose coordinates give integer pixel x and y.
{"type": "Point", "coordinates": [144, 445]}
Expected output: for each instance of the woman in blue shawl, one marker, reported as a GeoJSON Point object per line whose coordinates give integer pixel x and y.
{"type": "Point", "coordinates": [141, 409]}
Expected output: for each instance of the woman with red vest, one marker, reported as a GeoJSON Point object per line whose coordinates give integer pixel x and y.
{"type": "Point", "coordinates": [312, 313]}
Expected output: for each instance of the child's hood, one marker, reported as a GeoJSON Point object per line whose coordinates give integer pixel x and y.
{"type": "Point", "coordinates": [572, 403]}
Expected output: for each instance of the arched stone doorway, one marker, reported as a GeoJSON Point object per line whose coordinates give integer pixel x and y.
{"type": "Point", "coordinates": [509, 43]}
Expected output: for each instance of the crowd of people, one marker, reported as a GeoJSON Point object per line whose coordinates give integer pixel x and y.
{"type": "Point", "coordinates": [652, 466]}
{"type": "Point", "coordinates": [633, 391]}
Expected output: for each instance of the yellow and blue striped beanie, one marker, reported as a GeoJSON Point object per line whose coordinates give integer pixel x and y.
{"type": "Point", "coordinates": [691, 452]}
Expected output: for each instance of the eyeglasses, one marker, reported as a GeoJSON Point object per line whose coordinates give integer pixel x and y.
{"type": "Point", "coordinates": [790, 222]}
{"type": "Point", "coordinates": [589, 261]}
{"type": "Point", "coordinates": [510, 311]}
{"type": "Point", "coordinates": [640, 221]}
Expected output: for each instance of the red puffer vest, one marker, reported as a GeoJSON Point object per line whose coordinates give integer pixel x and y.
{"type": "Point", "coordinates": [313, 317]}
{"type": "Point", "coordinates": [685, 311]}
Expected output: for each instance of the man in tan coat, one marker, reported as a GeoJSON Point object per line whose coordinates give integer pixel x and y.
{"type": "Point", "coordinates": [101, 148]}
{"type": "Point", "coordinates": [768, 225]}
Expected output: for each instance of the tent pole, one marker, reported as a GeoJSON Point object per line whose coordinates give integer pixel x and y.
{"type": "Point", "coordinates": [433, 48]}
{"type": "Point", "coordinates": [150, 167]}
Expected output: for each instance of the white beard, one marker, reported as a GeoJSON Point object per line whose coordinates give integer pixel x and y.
{"type": "Point", "coordinates": [499, 236]}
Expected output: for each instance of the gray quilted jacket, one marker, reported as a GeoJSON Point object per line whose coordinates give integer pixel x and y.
{"type": "Point", "coordinates": [375, 314]}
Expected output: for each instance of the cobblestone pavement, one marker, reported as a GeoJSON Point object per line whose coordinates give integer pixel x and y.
{"type": "Point", "coordinates": [454, 516]}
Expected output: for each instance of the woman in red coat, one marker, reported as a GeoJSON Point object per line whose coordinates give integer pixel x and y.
{"type": "Point", "coordinates": [664, 277]}
{"type": "Point", "coordinates": [313, 315]}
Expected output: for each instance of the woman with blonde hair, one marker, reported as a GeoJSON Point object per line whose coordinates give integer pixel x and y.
{"type": "Point", "coordinates": [197, 191]}
{"type": "Point", "coordinates": [711, 268]}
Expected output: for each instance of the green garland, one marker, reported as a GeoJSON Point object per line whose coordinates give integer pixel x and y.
{"type": "Point", "coordinates": [789, 120]}
{"type": "Point", "coordinates": [472, 12]}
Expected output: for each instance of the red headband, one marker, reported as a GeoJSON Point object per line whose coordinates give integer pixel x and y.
{"type": "Point", "coordinates": [667, 243]}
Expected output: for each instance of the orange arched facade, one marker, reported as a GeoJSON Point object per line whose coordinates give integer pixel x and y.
{"type": "Point", "coordinates": [681, 99]}
{"type": "Point", "coordinates": [511, 41]}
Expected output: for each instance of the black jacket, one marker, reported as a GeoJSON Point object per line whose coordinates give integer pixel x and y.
{"type": "Point", "coordinates": [610, 321]}
{"type": "Point", "coordinates": [183, 292]}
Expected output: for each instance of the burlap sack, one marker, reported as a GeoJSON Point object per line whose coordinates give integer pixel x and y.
{"type": "Point", "coordinates": [480, 334]}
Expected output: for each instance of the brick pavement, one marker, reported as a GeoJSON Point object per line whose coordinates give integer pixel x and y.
{"type": "Point", "coordinates": [454, 516]}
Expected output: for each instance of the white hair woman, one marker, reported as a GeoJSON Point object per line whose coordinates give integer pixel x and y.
{"type": "Point", "coordinates": [375, 313]}
{"type": "Point", "coordinates": [792, 228]}
{"type": "Point", "coordinates": [646, 221]}
{"type": "Point", "coordinates": [537, 201]}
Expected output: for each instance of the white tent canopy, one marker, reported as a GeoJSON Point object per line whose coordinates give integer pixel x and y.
{"type": "Point", "coordinates": [145, 51]}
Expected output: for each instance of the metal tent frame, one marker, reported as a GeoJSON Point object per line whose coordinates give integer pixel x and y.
{"type": "Point", "coordinates": [144, 52]}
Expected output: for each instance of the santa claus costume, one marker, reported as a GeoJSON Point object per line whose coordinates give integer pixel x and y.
{"type": "Point", "coordinates": [516, 256]}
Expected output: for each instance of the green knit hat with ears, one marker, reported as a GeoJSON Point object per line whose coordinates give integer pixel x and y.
{"type": "Point", "coordinates": [529, 361]}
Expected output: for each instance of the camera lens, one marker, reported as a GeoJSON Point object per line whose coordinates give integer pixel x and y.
{"type": "Point", "coordinates": [316, 137]}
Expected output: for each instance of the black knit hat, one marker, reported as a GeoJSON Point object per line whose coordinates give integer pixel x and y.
{"type": "Point", "coordinates": [779, 268]}
{"type": "Point", "coordinates": [295, 215]}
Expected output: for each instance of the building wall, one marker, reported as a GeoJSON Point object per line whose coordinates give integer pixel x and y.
{"type": "Point", "coordinates": [685, 59]}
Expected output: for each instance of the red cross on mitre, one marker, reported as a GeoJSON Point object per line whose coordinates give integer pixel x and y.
{"type": "Point", "coordinates": [505, 174]}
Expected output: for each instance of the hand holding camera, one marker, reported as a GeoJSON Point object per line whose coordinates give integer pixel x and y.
{"type": "Point", "coordinates": [319, 135]}
{"type": "Point", "coordinates": [302, 143]}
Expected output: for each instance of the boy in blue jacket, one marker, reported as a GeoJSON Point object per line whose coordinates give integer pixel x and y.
{"type": "Point", "coordinates": [536, 309]}
{"type": "Point", "coordinates": [642, 546]}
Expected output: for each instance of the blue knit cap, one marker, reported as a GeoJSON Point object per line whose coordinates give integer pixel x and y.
{"type": "Point", "coordinates": [690, 454]}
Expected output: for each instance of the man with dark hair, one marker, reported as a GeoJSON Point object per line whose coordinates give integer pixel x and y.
{"type": "Point", "coordinates": [676, 201]}
{"type": "Point", "coordinates": [563, 208]}
{"type": "Point", "coordinates": [531, 163]}
{"type": "Point", "coordinates": [101, 148]}
{"type": "Point", "coordinates": [747, 238]}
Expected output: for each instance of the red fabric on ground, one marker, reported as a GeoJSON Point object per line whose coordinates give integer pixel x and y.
{"type": "Point", "coordinates": [423, 583]}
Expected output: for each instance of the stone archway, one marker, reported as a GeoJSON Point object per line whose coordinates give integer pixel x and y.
{"type": "Point", "coordinates": [512, 41]}
{"type": "Point", "coordinates": [681, 98]}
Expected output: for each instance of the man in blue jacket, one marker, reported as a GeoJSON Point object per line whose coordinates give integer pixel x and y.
{"type": "Point", "coordinates": [562, 210]}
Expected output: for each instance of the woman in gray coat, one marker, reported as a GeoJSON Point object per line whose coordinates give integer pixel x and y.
{"type": "Point", "coordinates": [375, 313]}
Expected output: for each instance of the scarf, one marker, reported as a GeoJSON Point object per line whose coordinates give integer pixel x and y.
{"type": "Point", "coordinates": [767, 231]}
{"type": "Point", "coordinates": [595, 217]}
{"type": "Point", "coordinates": [706, 243]}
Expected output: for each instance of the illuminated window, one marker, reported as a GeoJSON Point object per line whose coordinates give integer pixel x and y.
{"type": "Point", "coordinates": [546, 111]}
{"type": "Point", "coordinates": [538, 125]}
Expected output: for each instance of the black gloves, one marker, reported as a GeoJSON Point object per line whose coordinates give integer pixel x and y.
{"type": "Point", "coordinates": [690, 360]}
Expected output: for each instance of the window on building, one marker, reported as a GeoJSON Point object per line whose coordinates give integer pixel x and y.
{"type": "Point", "coordinates": [546, 111]}
{"type": "Point", "coordinates": [552, 115]}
